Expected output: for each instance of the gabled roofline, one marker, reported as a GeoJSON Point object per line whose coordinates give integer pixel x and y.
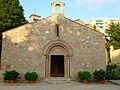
{"type": "Point", "coordinates": [49, 17]}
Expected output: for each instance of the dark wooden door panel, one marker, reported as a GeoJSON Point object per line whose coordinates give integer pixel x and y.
{"type": "Point", "coordinates": [57, 66]}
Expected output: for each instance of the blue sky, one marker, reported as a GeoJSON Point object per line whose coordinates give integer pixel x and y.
{"type": "Point", "coordinates": [75, 9]}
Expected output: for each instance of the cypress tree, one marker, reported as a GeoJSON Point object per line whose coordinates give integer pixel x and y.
{"type": "Point", "coordinates": [11, 14]}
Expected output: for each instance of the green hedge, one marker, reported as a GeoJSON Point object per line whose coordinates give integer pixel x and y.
{"type": "Point", "coordinates": [112, 72]}
{"type": "Point", "coordinates": [99, 74]}
{"type": "Point", "coordinates": [31, 76]}
{"type": "Point", "coordinates": [11, 75]}
{"type": "Point", "coordinates": [84, 75]}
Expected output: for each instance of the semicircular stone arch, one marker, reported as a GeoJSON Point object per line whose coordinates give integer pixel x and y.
{"type": "Point", "coordinates": [57, 47]}
{"type": "Point", "coordinates": [58, 44]}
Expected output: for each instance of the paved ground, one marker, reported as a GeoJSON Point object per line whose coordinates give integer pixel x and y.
{"type": "Point", "coordinates": [66, 86]}
{"type": "Point", "coordinates": [115, 81]}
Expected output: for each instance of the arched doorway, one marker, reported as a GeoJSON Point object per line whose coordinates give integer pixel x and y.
{"type": "Point", "coordinates": [57, 66]}
{"type": "Point", "coordinates": [57, 63]}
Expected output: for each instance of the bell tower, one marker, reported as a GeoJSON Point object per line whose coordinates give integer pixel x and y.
{"type": "Point", "coordinates": [60, 4]}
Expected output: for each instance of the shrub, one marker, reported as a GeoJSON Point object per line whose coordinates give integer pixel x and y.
{"type": "Point", "coordinates": [84, 75]}
{"type": "Point", "coordinates": [112, 72]}
{"type": "Point", "coordinates": [117, 73]}
{"type": "Point", "coordinates": [111, 67]}
{"type": "Point", "coordinates": [11, 75]}
{"type": "Point", "coordinates": [110, 75]}
{"type": "Point", "coordinates": [99, 74]}
{"type": "Point", "coordinates": [31, 76]}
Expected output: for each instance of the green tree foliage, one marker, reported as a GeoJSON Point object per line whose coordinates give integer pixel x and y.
{"type": "Point", "coordinates": [11, 14]}
{"type": "Point", "coordinates": [114, 34]}
{"type": "Point", "coordinates": [112, 72]}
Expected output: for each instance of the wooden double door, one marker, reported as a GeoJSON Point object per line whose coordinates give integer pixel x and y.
{"type": "Point", "coordinates": [57, 66]}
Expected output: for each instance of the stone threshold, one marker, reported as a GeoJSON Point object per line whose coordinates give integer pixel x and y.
{"type": "Point", "coordinates": [58, 80]}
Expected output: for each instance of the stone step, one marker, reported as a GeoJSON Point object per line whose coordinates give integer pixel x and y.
{"type": "Point", "coordinates": [57, 80]}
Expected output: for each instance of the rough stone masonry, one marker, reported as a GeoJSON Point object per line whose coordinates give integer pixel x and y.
{"type": "Point", "coordinates": [31, 46]}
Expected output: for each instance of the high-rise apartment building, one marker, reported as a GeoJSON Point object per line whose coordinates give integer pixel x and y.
{"type": "Point", "coordinates": [102, 23]}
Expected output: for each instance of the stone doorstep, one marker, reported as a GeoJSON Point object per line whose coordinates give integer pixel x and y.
{"type": "Point", "coordinates": [57, 80]}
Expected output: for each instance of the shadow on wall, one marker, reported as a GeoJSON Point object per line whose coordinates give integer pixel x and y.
{"type": "Point", "coordinates": [14, 47]}
{"type": "Point", "coordinates": [19, 47]}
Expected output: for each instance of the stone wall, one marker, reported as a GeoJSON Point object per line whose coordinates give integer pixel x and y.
{"type": "Point", "coordinates": [23, 47]}
{"type": "Point", "coordinates": [1, 76]}
{"type": "Point", "coordinates": [115, 56]}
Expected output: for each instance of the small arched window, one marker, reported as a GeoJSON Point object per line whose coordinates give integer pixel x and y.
{"type": "Point", "coordinates": [57, 30]}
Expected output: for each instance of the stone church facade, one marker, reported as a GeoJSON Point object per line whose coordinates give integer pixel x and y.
{"type": "Point", "coordinates": [53, 47]}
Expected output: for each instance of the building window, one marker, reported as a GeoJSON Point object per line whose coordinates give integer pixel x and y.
{"type": "Point", "coordinates": [106, 22]}
{"type": "Point", "coordinates": [100, 23]}
{"type": "Point", "coordinates": [99, 20]}
{"type": "Point", "coordinates": [57, 30]}
{"type": "Point", "coordinates": [35, 19]}
{"type": "Point", "coordinates": [101, 27]}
